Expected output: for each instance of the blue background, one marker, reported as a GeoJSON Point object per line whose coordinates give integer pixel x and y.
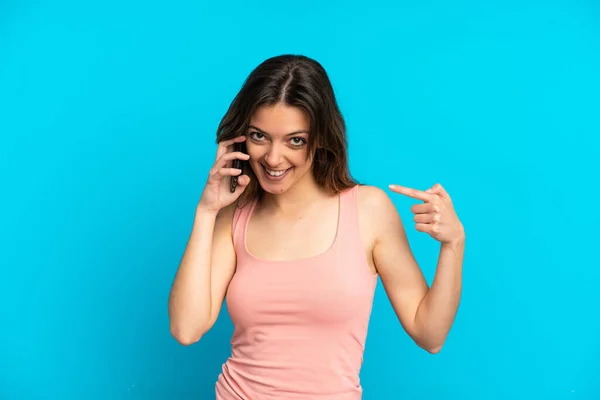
{"type": "Point", "coordinates": [108, 113]}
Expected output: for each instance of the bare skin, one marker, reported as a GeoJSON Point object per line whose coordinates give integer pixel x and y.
{"type": "Point", "coordinates": [302, 221]}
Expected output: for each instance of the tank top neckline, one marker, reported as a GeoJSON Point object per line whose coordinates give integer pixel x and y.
{"type": "Point", "coordinates": [341, 213]}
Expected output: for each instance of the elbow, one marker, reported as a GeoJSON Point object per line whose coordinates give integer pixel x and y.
{"type": "Point", "coordinates": [186, 340]}
{"type": "Point", "coordinates": [433, 349]}
{"type": "Point", "coordinates": [186, 330]}
{"type": "Point", "coordinates": [185, 336]}
{"type": "Point", "coordinates": [430, 340]}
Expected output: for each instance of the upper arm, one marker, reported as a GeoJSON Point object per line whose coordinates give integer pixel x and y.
{"type": "Point", "coordinates": [223, 261]}
{"type": "Point", "coordinates": [399, 272]}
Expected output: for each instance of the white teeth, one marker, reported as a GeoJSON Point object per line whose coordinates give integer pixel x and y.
{"type": "Point", "coordinates": [275, 173]}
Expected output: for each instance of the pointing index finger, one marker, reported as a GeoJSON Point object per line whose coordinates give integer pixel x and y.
{"type": "Point", "coordinates": [415, 194]}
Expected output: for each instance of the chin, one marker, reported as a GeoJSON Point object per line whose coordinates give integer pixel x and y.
{"type": "Point", "coordinates": [275, 187]}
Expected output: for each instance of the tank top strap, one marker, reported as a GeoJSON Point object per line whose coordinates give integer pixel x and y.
{"type": "Point", "coordinates": [348, 228]}
{"type": "Point", "coordinates": [240, 221]}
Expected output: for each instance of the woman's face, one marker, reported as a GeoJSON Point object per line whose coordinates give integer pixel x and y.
{"type": "Point", "coordinates": [278, 147]}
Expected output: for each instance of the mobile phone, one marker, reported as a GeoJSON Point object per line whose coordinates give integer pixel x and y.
{"type": "Point", "coordinates": [237, 163]}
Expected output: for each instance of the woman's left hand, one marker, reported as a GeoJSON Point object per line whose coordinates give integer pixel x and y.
{"type": "Point", "coordinates": [436, 215]}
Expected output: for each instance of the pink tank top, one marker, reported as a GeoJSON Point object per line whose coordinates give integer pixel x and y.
{"type": "Point", "coordinates": [299, 326]}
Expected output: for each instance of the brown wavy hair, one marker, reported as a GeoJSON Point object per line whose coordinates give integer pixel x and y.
{"type": "Point", "coordinates": [297, 81]}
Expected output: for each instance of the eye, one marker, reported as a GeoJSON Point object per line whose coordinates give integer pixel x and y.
{"type": "Point", "coordinates": [298, 141]}
{"type": "Point", "coordinates": [256, 135]}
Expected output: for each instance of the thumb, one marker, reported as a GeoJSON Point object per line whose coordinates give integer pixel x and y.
{"type": "Point", "coordinates": [243, 182]}
{"type": "Point", "coordinates": [439, 190]}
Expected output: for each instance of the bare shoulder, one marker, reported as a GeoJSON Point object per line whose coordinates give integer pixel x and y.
{"type": "Point", "coordinates": [372, 196]}
{"type": "Point", "coordinates": [377, 213]}
{"type": "Point", "coordinates": [375, 204]}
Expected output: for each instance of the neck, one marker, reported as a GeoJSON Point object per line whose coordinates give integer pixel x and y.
{"type": "Point", "coordinates": [298, 197]}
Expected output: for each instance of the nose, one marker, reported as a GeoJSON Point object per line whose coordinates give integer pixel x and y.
{"type": "Point", "coordinates": [273, 157]}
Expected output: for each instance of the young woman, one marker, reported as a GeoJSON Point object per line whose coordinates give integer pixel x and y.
{"type": "Point", "coordinates": [297, 247]}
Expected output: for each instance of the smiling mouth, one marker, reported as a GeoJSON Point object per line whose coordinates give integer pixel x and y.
{"type": "Point", "coordinates": [274, 173]}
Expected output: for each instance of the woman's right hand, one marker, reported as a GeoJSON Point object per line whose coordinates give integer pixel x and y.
{"type": "Point", "coordinates": [217, 193]}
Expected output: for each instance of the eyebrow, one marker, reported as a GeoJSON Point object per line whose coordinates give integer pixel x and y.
{"type": "Point", "coordinates": [288, 134]}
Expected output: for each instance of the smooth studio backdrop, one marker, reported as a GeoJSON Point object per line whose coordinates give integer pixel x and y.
{"type": "Point", "coordinates": [108, 113]}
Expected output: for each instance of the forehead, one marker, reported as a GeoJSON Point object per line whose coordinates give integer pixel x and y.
{"type": "Point", "coordinates": [280, 119]}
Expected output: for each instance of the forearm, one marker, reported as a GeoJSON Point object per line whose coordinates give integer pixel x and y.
{"type": "Point", "coordinates": [436, 312]}
{"type": "Point", "coordinates": [190, 298]}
